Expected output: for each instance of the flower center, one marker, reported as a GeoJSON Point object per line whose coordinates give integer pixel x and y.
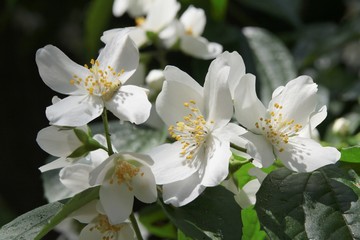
{"type": "Point", "coordinates": [192, 132]}
{"type": "Point", "coordinates": [104, 227]}
{"type": "Point", "coordinates": [189, 31]}
{"type": "Point", "coordinates": [100, 82]}
{"type": "Point", "coordinates": [124, 172]}
{"type": "Point", "coordinates": [139, 21]}
{"type": "Point", "coordinates": [277, 129]}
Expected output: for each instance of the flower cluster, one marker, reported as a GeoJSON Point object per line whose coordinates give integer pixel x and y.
{"type": "Point", "coordinates": [200, 121]}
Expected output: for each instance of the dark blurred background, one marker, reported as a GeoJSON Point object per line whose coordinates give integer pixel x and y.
{"type": "Point", "coordinates": [75, 27]}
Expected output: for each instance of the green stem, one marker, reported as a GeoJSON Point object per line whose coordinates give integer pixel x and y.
{"type": "Point", "coordinates": [238, 148]}
{"type": "Point", "coordinates": [135, 226]}
{"type": "Point", "coordinates": [107, 133]}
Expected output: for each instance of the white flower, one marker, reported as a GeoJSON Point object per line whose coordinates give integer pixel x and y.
{"type": "Point", "coordinates": [76, 175]}
{"type": "Point", "coordinates": [193, 22]}
{"type": "Point", "coordinates": [135, 8]}
{"type": "Point", "coordinates": [199, 121]}
{"type": "Point", "coordinates": [123, 176]}
{"type": "Point", "coordinates": [160, 14]}
{"type": "Point", "coordinates": [92, 89]}
{"type": "Point", "coordinates": [61, 143]}
{"type": "Point", "coordinates": [155, 79]}
{"type": "Point", "coordinates": [282, 130]}
{"type": "Point", "coordinates": [99, 225]}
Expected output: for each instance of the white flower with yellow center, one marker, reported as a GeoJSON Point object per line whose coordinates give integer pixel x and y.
{"type": "Point", "coordinates": [99, 225]}
{"type": "Point", "coordinates": [282, 130]}
{"type": "Point", "coordinates": [198, 119]}
{"type": "Point", "coordinates": [159, 15]}
{"type": "Point", "coordinates": [90, 89]}
{"type": "Point", "coordinates": [121, 177]}
{"type": "Point", "coordinates": [193, 21]}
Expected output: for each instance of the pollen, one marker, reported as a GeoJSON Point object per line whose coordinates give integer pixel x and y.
{"type": "Point", "coordinates": [276, 129]}
{"type": "Point", "coordinates": [124, 172]}
{"type": "Point", "coordinates": [107, 230]}
{"type": "Point", "coordinates": [100, 82]}
{"type": "Point", "coordinates": [139, 21]}
{"type": "Point", "coordinates": [192, 131]}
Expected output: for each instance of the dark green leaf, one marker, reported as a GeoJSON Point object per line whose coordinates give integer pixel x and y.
{"type": "Point", "coordinates": [274, 63]}
{"type": "Point", "coordinates": [213, 215]}
{"type": "Point", "coordinates": [286, 10]}
{"type": "Point", "coordinates": [350, 154]}
{"type": "Point", "coordinates": [218, 9]}
{"type": "Point", "coordinates": [128, 137]}
{"type": "Point", "coordinates": [312, 205]}
{"type": "Point", "coordinates": [73, 204]}
{"type": "Point", "coordinates": [28, 225]}
{"type": "Point", "coordinates": [156, 222]}
{"type": "Point", "coordinates": [181, 236]}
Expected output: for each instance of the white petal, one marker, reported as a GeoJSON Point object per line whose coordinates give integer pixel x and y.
{"type": "Point", "coordinates": [117, 201]}
{"type": "Point", "coordinates": [247, 195]}
{"type": "Point", "coordinates": [58, 163]}
{"type": "Point", "coordinates": [217, 162]}
{"type": "Point", "coordinates": [258, 173]}
{"type": "Point", "coordinates": [200, 47]}
{"type": "Point", "coordinates": [74, 111]}
{"type": "Point", "coordinates": [169, 166]}
{"type": "Point", "coordinates": [76, 177]}
{"type": "Point", "coordinates": [97, 176]}
{"type": "Point", "coordinates": [306, 155]}
{"type": "Point", "coordinates": [182, 192]}
{"type": "Point", "coordinates": [90, 233]}
{"type": "Point", "coordinates": [248, 107]}
{"type": "Point", "coordinates": [108, 35]}
{"type": "Point", "coordinates": [126, 233]}
{"type": "Point", "coordinates": [131, 104]}
{"type": "Point", "coordinates": [56, 70]}
{"type": "Point", "coordinates": [194, 19]}
{"type": "Point", "coordinates": [122, 54]}
{"type": "Point", "coordinates": [86, 213]}
{"type": "Point", "coordinates": [58, 142]}
{"type": "Point", "coordinates": [120, 7]}
{"type": "Point", "coordinates": [170, 101]}
{"type": "Point", "coordinates": [160, 14]}
{"type": "Point", "coordinates": [237, 70]}
{"type": "Point", "coordinates": [229, 132]}
{"type": "Point", "coordinates": [170, 34]}
{"type": "Point", "coordinates": [174, 74]}
{"type": "Point", "coordinates": [298, 100]}
{"type": "Point", "coordinates": [277, 91]}
{"type": "Point", "coordinates": [260, 149]}
{"type": "Point", "coordinates": [219, 107]}
{"type": "Point", "coordinates": [144, 185]}
{"type": "Point", "coordinates": [138, 35]}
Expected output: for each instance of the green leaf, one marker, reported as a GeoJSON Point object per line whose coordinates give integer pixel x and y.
{"type": "Point", "coordinates": [182, 236]}
{"type": "Point", "coordinates": [218, 9]}
{"type": "Point", "coordinates": [128, 137]}
{"type": "Point", "coordinates": [312, 205]}
{"type": "Point", "coordinates": [286, 10]}
{"type": "Point", "coordinates": [156, 222]}
{"type": "Point", "coordinates": [350, 154]}
{"type": "Point", "coordinates": [213, 215]}
{"type": "Point", "coordinates": [274, 63]}
{"type": "Point", "coordinates": [251, 225]}
{"type": "Point", "coordinates": [96, 22]}
{"type": "Point", "coordinates": [29, 224]}
{"type": "Point", "coordinates": [73, 204]}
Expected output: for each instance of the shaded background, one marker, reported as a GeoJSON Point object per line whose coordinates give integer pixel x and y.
{"type": "Point", "coordinates": [317, 33]}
